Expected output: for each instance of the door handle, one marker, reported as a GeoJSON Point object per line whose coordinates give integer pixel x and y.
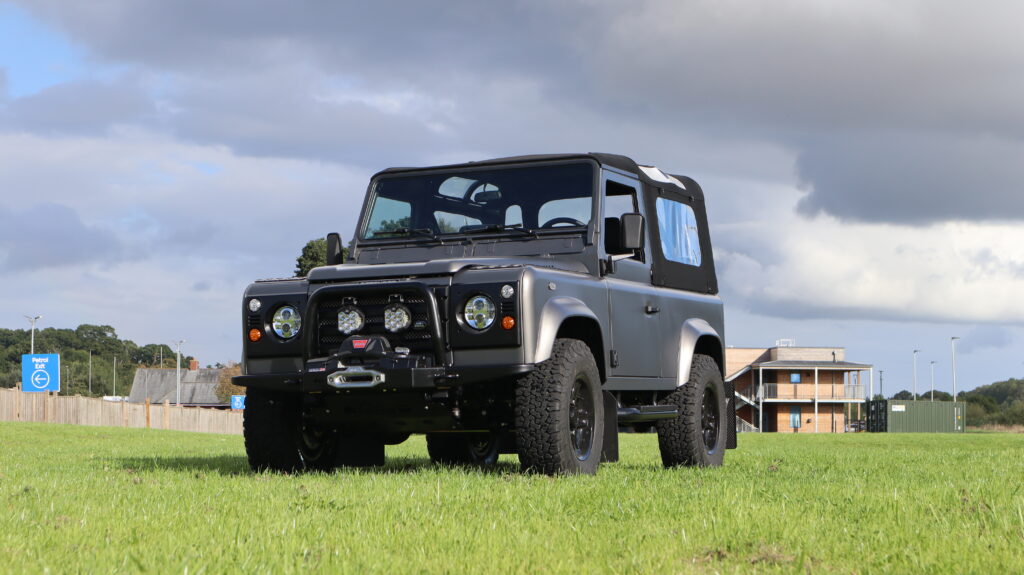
{"type": "Point", "coordinates": [650, 309]}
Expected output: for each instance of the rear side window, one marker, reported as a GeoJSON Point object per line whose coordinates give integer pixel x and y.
{"type": "Point", "coordinates": [677, 226]}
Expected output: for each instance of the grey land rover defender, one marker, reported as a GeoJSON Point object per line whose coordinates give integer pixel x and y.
{"type": "Point", "coordinates": [535, 305]}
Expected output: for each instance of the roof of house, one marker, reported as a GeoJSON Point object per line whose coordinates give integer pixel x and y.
{"type": "Point", "coordinates": [197, 386]}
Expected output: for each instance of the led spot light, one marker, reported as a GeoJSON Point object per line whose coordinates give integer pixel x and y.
{"type": "Point", "coordinates": [397, 318]}
{"type": "Point", "coordinates": [350, 320]}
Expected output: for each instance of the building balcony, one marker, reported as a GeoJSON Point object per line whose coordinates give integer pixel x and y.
{"type": "Point", "coordinates": [806, 392]}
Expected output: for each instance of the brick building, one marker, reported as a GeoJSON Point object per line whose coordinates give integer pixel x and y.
{"type": "Point", "coordinates": [793, 389]}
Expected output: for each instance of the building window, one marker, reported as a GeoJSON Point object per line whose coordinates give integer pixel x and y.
{"type": "Point", "coordinates": [794, 417]}
{"type": "Point", "coordinates": [795, 378]}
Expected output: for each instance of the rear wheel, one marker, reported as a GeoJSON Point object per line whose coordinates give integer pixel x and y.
{"type": "Point", "coordinates": [559, 412]}
{"type": "Point", "coordinates": [698, 435]}
{"type": "Point", "coordinates": [479, 449]}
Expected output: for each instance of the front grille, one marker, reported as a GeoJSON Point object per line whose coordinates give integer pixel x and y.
{"type": "Point", "coordinates": [419, 341]}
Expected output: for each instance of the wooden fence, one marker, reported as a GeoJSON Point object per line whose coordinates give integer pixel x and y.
{"type": "Point", "coordinates": [16, 405]}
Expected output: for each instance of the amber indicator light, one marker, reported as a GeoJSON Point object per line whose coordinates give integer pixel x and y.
{"type": "Point", "coordinates": [255, 335]}
{"type": "Point", "coordinates": [508, 322]}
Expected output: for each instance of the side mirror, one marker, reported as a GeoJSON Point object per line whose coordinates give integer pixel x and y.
{"type": "Point", "coordinates": [632, 228]}
{"type": "Point", "coordinates": [334, 254]}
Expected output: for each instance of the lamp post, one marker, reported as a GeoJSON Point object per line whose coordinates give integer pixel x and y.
{"type": "Point", "coordinates": [33, 320]}
{"type": "Point", "coordinates": [177, 372]}
{"type": "Point", "coordinates": [933, 381]}
{"type": "Point", "coordinates": [952, 345]}
{"type": "Point", "coordinates": [916, 351]}
{"type": "Point", "coordinates": [881, 383]}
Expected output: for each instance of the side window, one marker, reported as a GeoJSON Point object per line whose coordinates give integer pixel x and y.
{"type": "Point", "coordinates": [618, 200]}
{"type": "Point", "coordinates": [388, 215]}
{"type": "Point", "coordinates": [677, 226]}
{"type": "Point", "coordinates": [449, 223]}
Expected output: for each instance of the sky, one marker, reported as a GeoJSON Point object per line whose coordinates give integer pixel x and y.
{"type": "Point", "coordinates": [862, 159]}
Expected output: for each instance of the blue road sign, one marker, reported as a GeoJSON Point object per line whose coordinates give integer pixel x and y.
{"type": "Point", "coordinates": [237, 402]}
{"type": "Point", "coordinates": [40, 372]}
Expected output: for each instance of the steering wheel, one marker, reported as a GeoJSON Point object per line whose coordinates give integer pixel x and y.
{"type": "Point", "coordinates": [562, 220]}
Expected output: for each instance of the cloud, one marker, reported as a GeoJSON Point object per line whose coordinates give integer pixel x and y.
{"type": "Point", "coordinates": [986, 337]}
{"type": "Point", "coordinates": [52, 235]}
{"type": "Point", "coordinates": [80, 107]}
{"type": "Point", "coordinates": [822, 267]}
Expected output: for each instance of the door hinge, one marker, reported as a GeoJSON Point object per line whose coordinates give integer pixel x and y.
{"type": "Point", "coordinates": [615, 358]}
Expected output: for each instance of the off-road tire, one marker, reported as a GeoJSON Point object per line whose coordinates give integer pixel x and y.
{"type": "Point", "coordinates": [683, 439]}
{"type": "Point", "coordinates": [275, 438]}
{"type": "Point", "coordinates": [545, 408]}
{"type": "Point", "coordinates": [476, 449]}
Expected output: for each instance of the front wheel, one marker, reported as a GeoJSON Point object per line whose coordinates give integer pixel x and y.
{"type": "Point", "coordinates": [277, 438]}
{"type": "Point", "coordinates": [559, 412]}
{"type": "Point", "coordinates": [698, 436]}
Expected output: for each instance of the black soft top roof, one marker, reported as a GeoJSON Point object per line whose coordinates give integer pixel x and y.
{"type": "Point", "coordinates": [613, 160]}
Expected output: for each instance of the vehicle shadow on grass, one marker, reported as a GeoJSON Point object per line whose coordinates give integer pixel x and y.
{"type": "Point", "coordinates": [234, 465]}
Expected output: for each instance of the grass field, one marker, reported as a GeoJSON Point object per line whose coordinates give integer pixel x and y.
{"type": "Point", "coordinates": [79, 499]}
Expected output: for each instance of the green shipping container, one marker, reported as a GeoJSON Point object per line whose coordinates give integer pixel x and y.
{"type": "Point", "coordinates": [903, 416]}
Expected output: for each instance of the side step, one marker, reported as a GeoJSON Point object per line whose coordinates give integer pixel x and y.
{"type": "Point", "coordinates": [643, 413]}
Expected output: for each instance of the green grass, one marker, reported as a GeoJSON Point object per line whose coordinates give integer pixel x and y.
{"type": "Point", "coordinates": [80, 499]}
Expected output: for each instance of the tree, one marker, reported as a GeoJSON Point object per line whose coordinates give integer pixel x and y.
{"type": "Point", "coordinates": [225, 389]}
{"type": "Point", "coordinates": [314, 254]}
{"type": "Point", "coordinates": [905, 395]}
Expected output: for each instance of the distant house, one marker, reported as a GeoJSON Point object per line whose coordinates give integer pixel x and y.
{"type": "Point", "coordinates": [796, 389]}
{"type": "Point", "coordinates": [198, 386]}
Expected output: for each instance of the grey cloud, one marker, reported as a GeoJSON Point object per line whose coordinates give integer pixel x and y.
{"type": "Point", "coordinates": [892, 109]}
{"type": "Point", "coordinates": [918, 178]}
{"type": "Point", "coordinates": [53, 235]}
{"type": "Point", "coordinates": [86, 107]}
{"type": "Point", "coordinates": [985, 337]}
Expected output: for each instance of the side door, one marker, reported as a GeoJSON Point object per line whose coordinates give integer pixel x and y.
{"type": "Point", "coordinates": [633, 303]}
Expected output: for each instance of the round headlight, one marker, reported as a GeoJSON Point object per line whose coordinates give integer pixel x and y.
{"type": "Point", "coordinates": [287, 322]}
{"type": "Point", "coordinates": [255, 305]}
{"type": "Point", "coordinates": [350, 320]}
{"type": "Point", "coordinates": [479, 312]}
{"type": "Point", "coordinates": [397, 317]}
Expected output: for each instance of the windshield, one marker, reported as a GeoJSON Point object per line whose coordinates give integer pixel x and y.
{"type": "Point", "coordinates": [539, 198]}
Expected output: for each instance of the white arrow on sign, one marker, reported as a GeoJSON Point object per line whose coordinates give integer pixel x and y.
{"type": "Point", "coordinates": [40, 379]}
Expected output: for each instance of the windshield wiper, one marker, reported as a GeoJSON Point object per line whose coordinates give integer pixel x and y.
{"type": "Point", "coordinates": [502, 228]}
{"type": "Point", "coordinates": [425, 232]}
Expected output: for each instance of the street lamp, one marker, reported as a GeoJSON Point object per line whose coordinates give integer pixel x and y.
{"type": "Point", "coordinates": [952, 345]}
{"type": "Point", "coordinates": [33, 321]}
{"type": "Point", "coordinates": [177, 372]}
{"type": "Point", "coordinates": [916, 351]}
{"type": "Point", "coordinates": [933, 381]}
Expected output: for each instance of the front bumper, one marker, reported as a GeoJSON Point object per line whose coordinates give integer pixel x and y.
{"type": "Point", "coordinates": [372, 378]}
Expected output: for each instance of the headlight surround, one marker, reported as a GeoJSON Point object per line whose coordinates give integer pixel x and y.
{"type": "Point", "coordinates": [479, 312]}
{"type": "Point", "coordinates": [287, 322]}
{"type": "Point", "coordinates": [397, 317]}
{"type": "Point", "coordinates": [350, 320]}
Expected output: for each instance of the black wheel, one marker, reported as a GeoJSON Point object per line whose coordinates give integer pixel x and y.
{"type": "Point", "coordinates": [559, 412]}
{"type": "Point", "coordinates": [698, 436]}
{"type": "Point", "coordinates": [479, 449]}
{"type": "Point", "coordinates": [277, 438]}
